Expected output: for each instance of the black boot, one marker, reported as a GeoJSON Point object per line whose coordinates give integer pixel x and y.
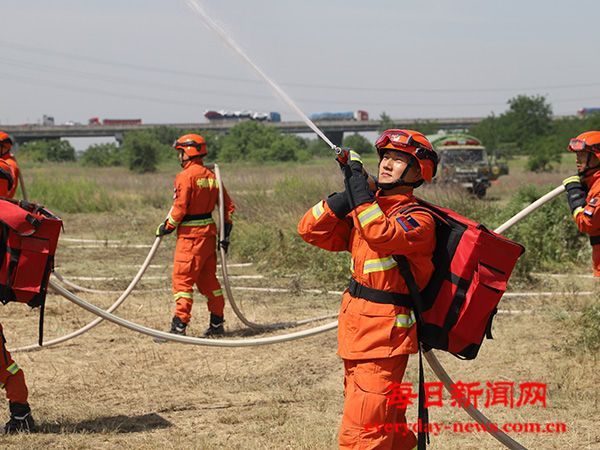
{"type": "Point", "coordinates": [215, 326]}
{"type": "Point", "coordinates": [21, 420]}
{"type": "Point", "coordinates": [177, 326]}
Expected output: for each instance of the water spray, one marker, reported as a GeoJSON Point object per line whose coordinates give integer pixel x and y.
{"type": "Point", "coordinates": [211, 24]}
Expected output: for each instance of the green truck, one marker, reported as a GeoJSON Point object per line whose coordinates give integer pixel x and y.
{"type": "Point", "coordinates": [464, 161]}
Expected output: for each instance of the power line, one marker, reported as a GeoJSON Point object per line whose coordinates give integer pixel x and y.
{"type": "Point", "coordinates": [144, 68]}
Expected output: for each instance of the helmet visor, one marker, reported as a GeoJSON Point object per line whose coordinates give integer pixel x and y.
{"type": "Point", "coordinates": [400, 139]}
{"type": "Point", "coordinates": [183, 145]}
{"type": "Point", "coordinates": [576, 145]}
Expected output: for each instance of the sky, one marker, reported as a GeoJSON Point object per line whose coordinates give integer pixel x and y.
{"type": "Point", "coordinates": [157, 61]}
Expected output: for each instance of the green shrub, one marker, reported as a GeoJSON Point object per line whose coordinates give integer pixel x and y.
{"type": "Point", "coordinates": [141, 151]}
{"type": "Point", "coordinates": [102, 155]}
{"type": "Point", "coordinates": [50, 150]}
{"type": "Point", "coordinates": [551, 239]}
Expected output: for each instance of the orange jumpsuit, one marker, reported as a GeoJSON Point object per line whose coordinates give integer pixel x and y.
{"type": "Point", "coordinates": [195, 261]}
{"type": "Point", "coordinates": [375, 339]}
{"type": "Point", "coordinates": [588, 218]}
{"type": "Point", "coordinates": [11, 376]}
{"type": "Point", "coordinates": [9, 159]}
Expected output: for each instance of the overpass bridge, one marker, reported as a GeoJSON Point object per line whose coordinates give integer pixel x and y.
{"type": "Point", "coordinates": [334, 130]}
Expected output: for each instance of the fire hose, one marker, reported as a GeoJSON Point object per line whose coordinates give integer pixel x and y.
{"type": "Point", "coordinates": [141, 272]}
{"type": "Point", "coordinates": [432, 360]}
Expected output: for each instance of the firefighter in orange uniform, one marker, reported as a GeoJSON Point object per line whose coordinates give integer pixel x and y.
{"type": "Point", "coordinates": [195, 261]}
{"type": "Point", "coordinates": [7, 157]}
{"type": "Point", "coordinates": [377, 329]}
{"type": "Point", "coordinates": [583, 190]}
{"type": "Point", "coordinates": [11, 376]}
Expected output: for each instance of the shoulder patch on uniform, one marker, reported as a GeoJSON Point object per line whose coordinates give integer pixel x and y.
{"type": "Point", "coordinates": [594, 201]}
{"type": "Point", "coordinates": [407, 222]}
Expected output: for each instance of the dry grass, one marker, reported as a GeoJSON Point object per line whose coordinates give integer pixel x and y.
{"type": "Point", "coordinates": [112, 388]}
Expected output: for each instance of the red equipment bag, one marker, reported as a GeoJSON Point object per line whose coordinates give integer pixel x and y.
{"type": "Point", "coordinates": [28, 238]}
{"type": "Point", "coordinates": [472, 267]}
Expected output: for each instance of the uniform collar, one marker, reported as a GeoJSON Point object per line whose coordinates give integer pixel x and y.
{"type": "Point", "coordinates": [193, 162]}
{"type": "Point", "coordinates": [592, 179]}
{"type": "Point", "coordinates": [393, 201]}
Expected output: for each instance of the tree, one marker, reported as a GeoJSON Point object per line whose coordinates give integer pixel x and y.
{"type": "Point", "coordinates": [102, 155]}
{"type": "Point", "coordinates": [250, 140]}
{"type": "Point", "coordinates": [359, 143]}
{"type": "Point", "coordinates": [386, 122]}
{"type": "Point", "coordinates": [49, 150]}
{"type": "Point", "coordinates": [527, 118]}
{"type": "Point", "coordinates": [142, 150]}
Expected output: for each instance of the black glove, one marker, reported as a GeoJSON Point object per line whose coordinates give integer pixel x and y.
{"type": "Point", "coordinates": [355, 180]}
{"type": "Point", "coordinates": [164, 229]}
{"type": "Point", "coordinates": [339, 204]}
{"type": "Point", "coordinates": [224, 244]}
{"type": "Point", "coordinates": [576, 193]}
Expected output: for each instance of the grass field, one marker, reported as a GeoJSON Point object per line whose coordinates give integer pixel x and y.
{"type": "Point", "coordinates": [112, 388]}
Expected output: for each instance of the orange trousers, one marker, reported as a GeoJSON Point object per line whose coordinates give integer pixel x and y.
{"type": "Point", "coordinates": [11, 376]}
{"type": "Point", "coordinates": [195, 262]}
{"type": "Point", "coordinates": [369, 421]}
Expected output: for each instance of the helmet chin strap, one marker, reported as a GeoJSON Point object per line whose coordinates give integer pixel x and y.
{"type": "Point", "coordinates": [184, 162]}
{"type": "Point", "coordinates": [400, 181]}
{"type": "Point", "coordinates": [585, 172]}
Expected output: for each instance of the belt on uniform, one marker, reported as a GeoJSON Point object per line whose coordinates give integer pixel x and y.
{"type": "Point", "coordinates": [595, 240]}
{"type": "Point", "coordinates": [191, 220]}
{"type": "Point", "coordinates": [375, 295]}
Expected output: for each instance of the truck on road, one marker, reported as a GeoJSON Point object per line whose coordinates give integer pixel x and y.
{"type": "Point", "coordinates": [97, 121]}
{"type": "Point", "coordinates": [464, 161]}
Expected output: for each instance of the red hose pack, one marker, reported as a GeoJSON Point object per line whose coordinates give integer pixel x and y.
{"type": "Point", "coordinates": [28, 238]}
{"type": "Point", "coordinates": [472, 268]}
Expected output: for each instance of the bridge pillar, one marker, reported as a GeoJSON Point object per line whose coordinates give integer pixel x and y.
{"type": "Point", "coordinates": [119, 139]}
{"type": "Point", "coordinates": [336, 137]}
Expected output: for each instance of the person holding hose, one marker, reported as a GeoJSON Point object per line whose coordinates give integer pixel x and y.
{"type": "Point", "coordinates": [195, 260]}
{"type": "Point", "coordinates": [377, 326]}
{"type": "Point", "coordinates": [583, 190]}
{"type": "Point", "coordinates": [8, 159]}
{"type": "Point", "coordinates": [12, 378]}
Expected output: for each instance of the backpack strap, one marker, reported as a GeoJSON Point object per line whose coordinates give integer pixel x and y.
{"type": "Point", "coordinates": [423, 433]}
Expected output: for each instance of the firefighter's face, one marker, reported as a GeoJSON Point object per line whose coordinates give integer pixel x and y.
{"type": "Point", "coordinates": [393, 164]}
{"type": "Point", "coordinates": [583, 162]}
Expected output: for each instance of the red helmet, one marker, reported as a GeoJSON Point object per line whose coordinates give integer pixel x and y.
{"type": "Point", "coordinates": [6, 143]}
{"type": "Point", "coordinates": [586, 142]}
{"type": "Point", "coordinates": [193, 145]}
{"type": "Point", "coordinates": [412, 143]}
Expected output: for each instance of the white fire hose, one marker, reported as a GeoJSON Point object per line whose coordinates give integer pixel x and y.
{"type": "Point", "coordinates": [232, 302]}
{"type": "Point", "coordinates": [138, 277]}
{"type": "Point", "coordinates": [430, 356]}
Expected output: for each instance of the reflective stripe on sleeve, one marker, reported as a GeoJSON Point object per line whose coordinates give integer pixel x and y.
{"type": "Point", "coordinates": [179, 295]}
{"type": "Point", "coordinates": [171, 221]}
{"type": "Point", "coordinates": [218, 292]}
{"type": "Point", "coordinates": [13, 368]}
{"type": "Point", "coordinates": [370, 214]}
{"type": "Point", "coordinates": [379, 265]}
{"type": "Point", "coordinates": [355, 156]}
{"type": "Point", "coordinates": [405, 320]}
{"type": "Point", "coordinates": [578, 211]}
{"type": "Point", "coordinates": [318, 210]}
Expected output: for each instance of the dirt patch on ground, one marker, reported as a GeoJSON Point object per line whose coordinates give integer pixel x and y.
{"type": "Point", "coordinates": [114, 388]}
